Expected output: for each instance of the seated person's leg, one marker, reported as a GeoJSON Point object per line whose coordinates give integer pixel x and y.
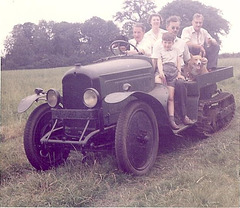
{"type": "Point", "coordinates": [181, 96]}
{"type": "Point", "coordinates": [171, 108]}
{"type": "Point", "coordinates": [212, 56]}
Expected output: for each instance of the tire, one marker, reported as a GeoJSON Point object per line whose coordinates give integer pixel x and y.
{"type": "Point", "coordinates": [42, 156]}
{"type": "Point", "coordinates": [136, 138]}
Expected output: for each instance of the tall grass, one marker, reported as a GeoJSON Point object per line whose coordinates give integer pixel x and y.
{"type": "Point", "coordinates": [18, 84]}
{"type": "Point", "coordinates": [190, 171]}
{"type": "Point", "coordinates": [232, 84]}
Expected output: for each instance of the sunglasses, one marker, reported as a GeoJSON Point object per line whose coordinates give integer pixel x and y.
{"type": "Point", "coordinates": [175, 28]}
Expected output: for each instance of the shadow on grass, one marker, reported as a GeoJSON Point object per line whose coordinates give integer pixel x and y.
{"type": "Point", "coordinates": [187, 138]}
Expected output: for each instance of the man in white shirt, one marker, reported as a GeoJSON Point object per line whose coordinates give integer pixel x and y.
{"type": "Point", "coordinates": [139, 41]}
{"type": "Point", "coordinates": [199, 40]}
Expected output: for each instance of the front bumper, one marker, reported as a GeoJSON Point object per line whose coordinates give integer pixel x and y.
{"type": "Point", "coordinates": [80, 114]}
{"type": "Point", "coordinates": [77, 121]}
{"type": "Point", "coordinates": [79, 125]}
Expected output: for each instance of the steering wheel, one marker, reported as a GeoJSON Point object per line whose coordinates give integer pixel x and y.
{"type": "Point", "coordinates": [121, 45]}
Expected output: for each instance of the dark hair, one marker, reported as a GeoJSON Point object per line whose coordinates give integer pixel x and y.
{"type": "Point", "coordinates": [167, 36]}
{"type": "Point", "coordinates": [154, 15]}
{"type": "Point", "coordinates": [172, 19]}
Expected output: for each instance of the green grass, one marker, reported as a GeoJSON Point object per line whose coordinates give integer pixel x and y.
{"type": "Point", "coordinates": [189, 171]}
{"type": "Point", "coordinates": [18, 84]}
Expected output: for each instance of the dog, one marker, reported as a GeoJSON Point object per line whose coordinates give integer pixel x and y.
{"type": "Point", "coordinates": [196, 66]}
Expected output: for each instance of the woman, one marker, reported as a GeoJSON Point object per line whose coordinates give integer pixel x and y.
{"type": "Point", "coordinates": [156, 32]}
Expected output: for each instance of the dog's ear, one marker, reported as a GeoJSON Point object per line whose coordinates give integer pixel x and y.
{"type": "Point", "coordinates": [191, 55]}
{"type": "Point", "coordinates": [201, 54]}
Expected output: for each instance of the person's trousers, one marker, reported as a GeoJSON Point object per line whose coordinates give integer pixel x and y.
{"type": "Point", "coordinates": [181, 96]}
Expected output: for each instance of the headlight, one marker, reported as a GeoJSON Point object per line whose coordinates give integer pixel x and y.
{"type": "Point", "coordinates": [90, 97]}
{"type": "Point", "coordinates": [53, 98]}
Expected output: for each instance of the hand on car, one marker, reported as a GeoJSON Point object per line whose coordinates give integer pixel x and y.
{"type": "Point", "coordinates": [202, 51]}
{"type": "Point", "coordinates": [162, 77]}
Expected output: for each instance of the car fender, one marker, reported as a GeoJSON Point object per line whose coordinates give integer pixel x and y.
{"type": "Point", "coordinates": [157, 99]}
{"type": "Point", "coordinates": [118, 97]}
{"type": "Point", "coordinates": [160, 93]}
{"type": "Point", "coordinates": [26, 102]}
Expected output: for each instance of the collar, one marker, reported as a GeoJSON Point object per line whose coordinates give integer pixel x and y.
{"type": "Point", "coordinates": [193, 31]}
{"type": "Point", "coordinates": [168, 50]}
{"type": "Point", "coordinates": [176, 39]}
{"type": "Point", "coordinates": [160, 31]}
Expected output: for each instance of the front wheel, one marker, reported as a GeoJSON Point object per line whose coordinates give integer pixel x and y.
{"type": "Point", "coordinates": [136, 139]}
{"type": "Point", "coordinates": [42, 156]}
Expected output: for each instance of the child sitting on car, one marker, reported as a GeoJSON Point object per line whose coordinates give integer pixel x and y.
{"type": "Point", "coordinates": [169, 70]}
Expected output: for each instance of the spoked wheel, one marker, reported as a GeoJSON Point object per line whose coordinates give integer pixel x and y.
{"type": "Point", "coordinates": [136, 139]}
{"type": "Point", "coordinates": [41, 156]}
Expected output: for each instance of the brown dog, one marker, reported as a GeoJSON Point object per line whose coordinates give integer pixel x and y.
{"type": "Point", "coordinates": [197, 65]}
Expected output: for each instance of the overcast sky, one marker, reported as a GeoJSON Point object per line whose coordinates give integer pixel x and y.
{"type": "Point", "coordinates": [13, 12]}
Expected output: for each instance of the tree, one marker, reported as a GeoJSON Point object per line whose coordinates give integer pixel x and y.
{"type": "Point", "coordinates": [66, 44]}
{"type": "Point", "coordinates": [51, 44]}
{"type": "Point", "coordinates": [19, 45]}
{"type": "Point", "coordinates": [134, 11]}
{"type": "Point", "coordinates": [42, 44]}
{"type": "Point", "coordinates": [97, 34]}
{"type": "Point", "coordinates": [42, 38]}
{"type": "Point", "coordinates": [47, 44]}
{"type": "Point", "coordinates": [213, 20]}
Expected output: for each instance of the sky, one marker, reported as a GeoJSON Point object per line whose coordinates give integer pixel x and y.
{"type": "Point", "coordinates": [13, 12]}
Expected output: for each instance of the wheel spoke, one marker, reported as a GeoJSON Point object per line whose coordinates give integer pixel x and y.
{"type": "Point", "coordinates": [40, 125]}
{"type": "Point", "coordinates": [139, 147]}
{"type": "Point", "coordinates": [136, 138]}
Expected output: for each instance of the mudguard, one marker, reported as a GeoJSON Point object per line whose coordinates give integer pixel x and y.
{"type": "Point", "coordinates": [26, 102]}
{"type": "Point", "coordinates": [117, 97]}
{"type": "Point", "coordinates": [157, 99]}
{"type": "Point", "coordinates": [160, 93]}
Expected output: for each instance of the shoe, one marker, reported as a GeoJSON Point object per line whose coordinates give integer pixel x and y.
{"type": "Point", "coordinates": [188, 121]}
{"type": "Point", "coordinates": [172, 123]}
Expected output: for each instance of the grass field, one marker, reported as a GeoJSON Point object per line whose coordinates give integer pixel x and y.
{"type": "Point", "coordinates": [189, 172]}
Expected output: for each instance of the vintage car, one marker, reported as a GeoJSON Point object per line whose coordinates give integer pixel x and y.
{"type": "Point", "coordinates": [115, 103]}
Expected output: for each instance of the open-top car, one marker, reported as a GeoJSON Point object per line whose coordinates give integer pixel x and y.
{"type": "Point", "coordinates": [116, 103]}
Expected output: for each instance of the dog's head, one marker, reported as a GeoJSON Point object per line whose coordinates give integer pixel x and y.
{"type": "Point", "coordinates": [197, 65]}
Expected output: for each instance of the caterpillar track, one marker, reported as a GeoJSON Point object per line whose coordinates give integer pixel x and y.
{"type": "Point", "coordinates": [215, 114]}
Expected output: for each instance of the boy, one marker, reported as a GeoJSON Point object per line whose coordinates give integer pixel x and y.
{"type": "Point", "coordinates": [169, 70]}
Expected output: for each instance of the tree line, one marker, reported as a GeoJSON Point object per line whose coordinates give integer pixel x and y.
{"type": "Point", "coordinates": [52, 44]}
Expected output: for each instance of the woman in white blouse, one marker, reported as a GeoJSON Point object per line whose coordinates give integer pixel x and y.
{"type": "Point", "coordinates": [155, 33]}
